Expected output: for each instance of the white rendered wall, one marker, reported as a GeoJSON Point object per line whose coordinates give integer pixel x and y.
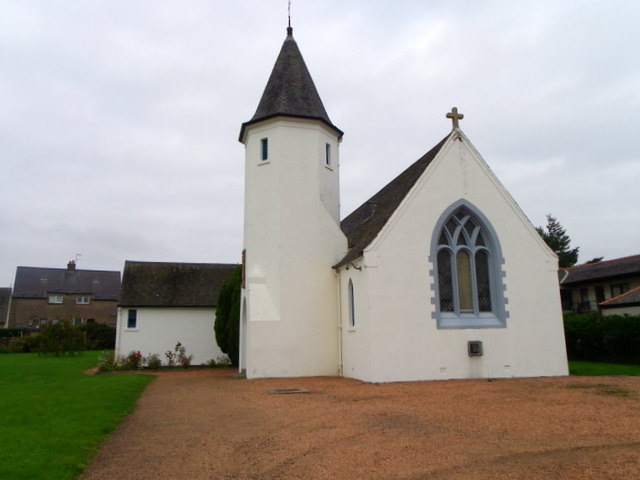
{"type": "Point", "coordinates": [292, 238]}
{"type": "Point", "coordinates": [405, 341]}
{"type": "Point", "coordinates": [356, 339]}
{"type": "Point", "coordinates": [159, 329]}
{"type": "Point", "coordinates": [622, 310]}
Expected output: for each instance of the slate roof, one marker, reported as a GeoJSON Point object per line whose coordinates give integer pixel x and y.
{"type": "Point", "coordinates": [366, 221]}
{"type": "Point", "coordinates": [605, 270]}
{"type": "Point", "coordinates": [159, 284]}
{"type": "Point", "coordinates": [290, 90]}
{"type": "Point", "coordinates": [632, 297]}
{"type": "Point", "coordinates": [5, 298]}
{"type": "Point", "coordinates": [37, 282]}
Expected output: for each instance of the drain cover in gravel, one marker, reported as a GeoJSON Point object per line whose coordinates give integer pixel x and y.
{"type": "Point", "coordinates": [288, 390]}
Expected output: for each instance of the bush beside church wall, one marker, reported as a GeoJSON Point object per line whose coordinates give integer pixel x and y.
{"type": "Point", "coordinates": [592, 337]}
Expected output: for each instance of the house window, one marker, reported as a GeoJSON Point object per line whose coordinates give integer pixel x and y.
{"type": "Point", "coordinates": [77, 320]}
{"type": "Point", "coordinates": [584, 295]}
{"type": "Point", "coordinates": [600, 293]}
{"type": "Point", "coordinates": [327, 155]}
{"type": "Point", "coordinates": [352, 305]}
{"type": "Point", "coordinates": [468, 286]}
{"type": "Point", "coordinates": [83, 300]}
{"type": "Point", "coordinates": [132, 319]}
{"type": "Point", "coordinates": [619, 289]}
{"type": "Point", "coordinates": [55, 299]}
{"type": "Point", "coordinates": [264, 149]}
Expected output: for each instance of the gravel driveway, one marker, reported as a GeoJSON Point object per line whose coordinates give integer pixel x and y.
{"type": "Point", "coordinates": [204, 424]}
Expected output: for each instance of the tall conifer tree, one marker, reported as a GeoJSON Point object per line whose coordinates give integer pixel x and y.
{"type": "Point", "coordinates": [556, 237]}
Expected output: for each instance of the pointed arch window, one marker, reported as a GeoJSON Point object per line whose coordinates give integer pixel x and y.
{"type": "Point", "coordinates": [468, 287]}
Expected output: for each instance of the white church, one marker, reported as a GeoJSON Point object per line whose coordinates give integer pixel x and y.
{"type": "Point", "coordinates": [439, 275]}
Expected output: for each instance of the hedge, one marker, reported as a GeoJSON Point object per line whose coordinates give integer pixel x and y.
{"type": "Point", "coordinates": [592, 337]}
{"type": "Point", "coordinates": [13, 332]}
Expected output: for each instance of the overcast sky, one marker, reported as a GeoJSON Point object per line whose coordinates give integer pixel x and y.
{"type": "Point", "coordinates": [119, 119]}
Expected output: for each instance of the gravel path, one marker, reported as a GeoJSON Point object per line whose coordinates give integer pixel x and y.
{"type": "Point", "coordinates": [206, 425]}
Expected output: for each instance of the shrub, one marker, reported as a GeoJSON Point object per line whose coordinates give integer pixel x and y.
{"type": "Point", "coordinates": [133, 361]}
{"type": "Point", "coordinates": [583, 335]}
{"type": "Point", "coordinates": [98, 336]}
{"type": "Point", "coordinates": [26, 344]}
{"type": "Point", "coordinates": [107, 362]}
{"type": "Point", "coordinates": [153, 361]}
{"type": "Point", "coordinates": [621, 337]}
{"type": "Point", "coordinates": [591, 337]}
{"type": "Point", "coordinates": [220, 362]}
{"type": "Point", "coordinates": [178, 356]}
{"type": "Point", "coordinates": [61, 339]}
{"type": "Point", "coordinates": [227, 322]}
{"type": "Point", "coordinates": [13, 332]}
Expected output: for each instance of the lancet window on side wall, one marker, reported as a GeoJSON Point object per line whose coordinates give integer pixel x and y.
{"type": "Point", "coordinates": [469, 287]}
{"type": "Point", "coordinates": [352, 305]}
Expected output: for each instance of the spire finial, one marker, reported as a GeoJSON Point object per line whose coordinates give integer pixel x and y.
{"type": "Point", "coordinates": [455, 116]}
{"type": "Point", "coordinates": [289, 29]}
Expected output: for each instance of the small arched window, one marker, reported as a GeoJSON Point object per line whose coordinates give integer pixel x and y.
{"type": "Point", "coordinates": [352, 305]}
{"type": "Point", "coordinates": [469, 290]}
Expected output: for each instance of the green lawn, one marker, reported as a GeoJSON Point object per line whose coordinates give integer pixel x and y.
{"type": "Point", "coordinates": [53, 417]}
{"type": "Point", "coordinates": [596, 368]}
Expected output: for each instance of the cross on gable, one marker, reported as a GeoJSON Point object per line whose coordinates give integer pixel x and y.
{"type": "Point", "coordinates": [455, 116]}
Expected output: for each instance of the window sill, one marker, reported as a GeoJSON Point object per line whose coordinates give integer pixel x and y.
{"type": "Point", "coordinates": [328, 167]}
{"type": "Point", "coordinates": [264, 162]}
{"type": "Point", "coordinates": [450, 321]}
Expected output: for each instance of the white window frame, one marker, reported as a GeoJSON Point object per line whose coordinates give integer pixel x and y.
{"type": "Point", "coordinates": [83, 300]}
{"type": "Point", "coordinates": [132, 319]}
{"type": "Point", "coordinates": [264, 149]}
{"type": "Point", "coordinates": [56, 299]}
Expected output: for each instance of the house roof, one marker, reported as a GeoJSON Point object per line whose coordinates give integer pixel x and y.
{"type": "Point", "coordinates": [37, 282]}
{"type": "Point", "coordinates": [5, 298]}
{"type": "Point", "coordinates": [632, 297]}
{"type": "Point", "coordinates": [160, 284]}
{"type": "Point", "coordinates": [363, 225]}
{"type": "Point", "coordinates": [605, 270]}
{"type": "Point", "coordinates": [290, 90]}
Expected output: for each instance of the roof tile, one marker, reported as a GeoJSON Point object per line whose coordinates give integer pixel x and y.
{"type": "Point", "coordinates": [366, 221]}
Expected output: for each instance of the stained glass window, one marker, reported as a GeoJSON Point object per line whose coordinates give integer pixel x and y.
{"type": "Point", "coordinates": [464, 256]}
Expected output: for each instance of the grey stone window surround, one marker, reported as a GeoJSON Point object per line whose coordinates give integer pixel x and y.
{"type": "Point", "coordinates": [497, 317]}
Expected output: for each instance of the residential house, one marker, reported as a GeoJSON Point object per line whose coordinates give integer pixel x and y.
{"type": "Point", "coordinates": [610, 286]}
{"type": "Point", "coordinates": [5, 300]}
{"type": "Point", "coordinates": [165, 303]}
{"type": "Point", "coordinates": [43, 295]}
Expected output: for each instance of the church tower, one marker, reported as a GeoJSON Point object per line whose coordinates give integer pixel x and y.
{"type": "Point", "coordinates": [292, 237]}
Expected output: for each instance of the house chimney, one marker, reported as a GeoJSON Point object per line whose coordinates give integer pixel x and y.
{"type": "Point", "coordinates": [71, 266]}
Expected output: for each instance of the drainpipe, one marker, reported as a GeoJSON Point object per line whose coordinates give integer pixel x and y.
{"type": "Point", "coordinates": [119, 328]}
{"type": "Point", "coordinates": [337, 274]}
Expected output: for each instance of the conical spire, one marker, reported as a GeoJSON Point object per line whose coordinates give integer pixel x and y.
{"type": "Point", "coordinates": [290, 90]}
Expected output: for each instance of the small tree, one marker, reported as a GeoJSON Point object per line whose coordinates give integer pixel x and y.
{"type": "Point", "coordinates": [558, 240]}
{"type": "Point", "coordinates": [98, 336]}
{"type": "Point", "coordinates": [227, 323]}
{"type": "Point", "coordinates": [61, 339]}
